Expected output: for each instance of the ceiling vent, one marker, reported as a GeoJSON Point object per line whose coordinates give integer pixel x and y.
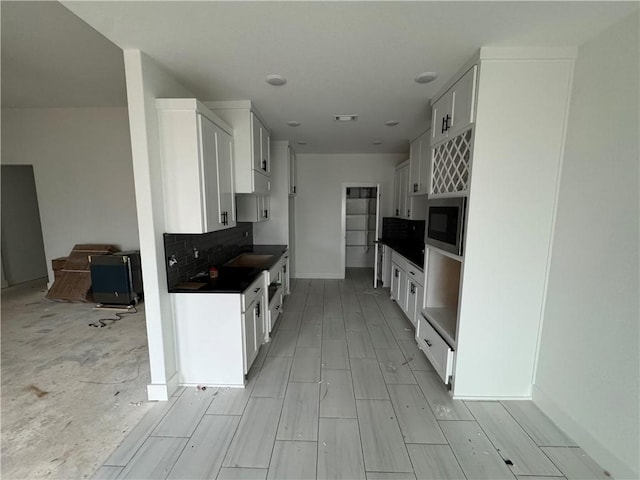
{"type": "Point", "coordinates": [345, 118]}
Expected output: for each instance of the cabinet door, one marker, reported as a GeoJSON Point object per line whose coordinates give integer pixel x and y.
{"type": "Point", "coordinates": [209, 174]}
{"type": "Point", "coordinates": [414, 166]}
{"type": "Point", "coordinates": [412, 296]}
{"type": "Point", "coordinates": [260, 322]}
{"type": "Point", "coordinates": [403, 289]}
{"type": "Point", "coordinates": [405, 205]}
{"type": "Point", "coordinates": [226, 185]}
{"type": "Point", "coordinates": [286, 289]}
{"type": "Point", "coordinates": [441, 117]}
{"type": "Point", "coordinates": [396, 193]}
{"type": "Point", "coordinates": [463, 102]}
{"type": "Point", "coordinates": [265, 150]}
{"type": "Point", "coordinates": [292, 172]}
{"type": "Point", "coordinates": [256, 142]}
{"type": "Point", "coordinates": [395, 281]}
{"type": "Point", "coordinates": [264, 208]}
{"type": "Point", "coordinates": [249, 333]}
{"type": "Point", "coordinates": [425, 163]}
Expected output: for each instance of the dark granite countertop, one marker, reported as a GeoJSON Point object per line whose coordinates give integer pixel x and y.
{"type": "Point", "coordinates": [412, 251]}
{"type": "Point", "coordinates": [232, 279]}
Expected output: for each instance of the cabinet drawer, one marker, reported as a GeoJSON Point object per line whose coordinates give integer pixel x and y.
{"type": "Point", "coordinates": [435, 348]}
{"type": "Point", "coordinates": [275, 307]}
{"type": "Point", "coordinates": [252, 292]}
{"type": "Point", "coordinates": [274, 272]}
{"type": "Point", "coordinates": [413, 272]}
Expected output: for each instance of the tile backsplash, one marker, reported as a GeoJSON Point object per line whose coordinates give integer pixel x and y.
{"type": "Point", "coordinates": [213, 248]}
{"type": "Point", "coordinates": [400, 229]}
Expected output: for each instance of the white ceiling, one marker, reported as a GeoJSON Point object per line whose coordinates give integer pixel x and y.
{"type": "Point", "coordinates": [339, 57]}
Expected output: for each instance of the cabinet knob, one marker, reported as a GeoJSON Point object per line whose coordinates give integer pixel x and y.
{"type": "Point", "coordinates": [408, 213]}
{"type": "Point", "coordinates": [264, 164]}
{"type": "Point", "coordinates": [415, 187]}
{"type": "Point", "coordinates": [429, 344]}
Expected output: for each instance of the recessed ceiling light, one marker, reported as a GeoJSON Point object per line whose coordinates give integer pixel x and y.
{"type": "Point", "coordinates": [391, 123]}
{"type": "Point", "coordinates": [276, 80]}
{"type": "Point", "coordinates": [301, 142]}
{"type": "Point", "coordinates": [377, 142]}
{"type": "Point", "coordinates": [425, 77]}
{"type": "Point", "coordinates": [294, 123]}
{"type": "Point", "coordinates": [345, 118]}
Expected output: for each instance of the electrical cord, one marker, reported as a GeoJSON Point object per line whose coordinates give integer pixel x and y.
{"type": "Point", "coordinates": [102, 322]}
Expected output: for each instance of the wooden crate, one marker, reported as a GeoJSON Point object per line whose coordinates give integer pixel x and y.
{"type": "Point", "coordinates": [73, 281]}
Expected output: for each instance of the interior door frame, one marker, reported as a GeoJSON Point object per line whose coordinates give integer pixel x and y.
{"type": "Point", "coordinates": [343, 248]}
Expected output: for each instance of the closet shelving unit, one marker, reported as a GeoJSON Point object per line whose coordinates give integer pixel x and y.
{"type": "Point", "coordinates": [361, 204]}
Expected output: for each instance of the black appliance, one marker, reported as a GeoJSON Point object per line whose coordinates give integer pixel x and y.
{"type": "Point", "coordinates": [116, 279]}
{"type": "Point", "coordinates": [445, 223]}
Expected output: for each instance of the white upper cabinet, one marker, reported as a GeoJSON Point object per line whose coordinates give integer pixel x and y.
{"type": "Point", "coordinates": [260, 139]}
{"type": "Point", "coordinates": [454, 110]}
{"type": "Point", "coordinates": [252, 140]}
{"type": "Point", "coordinates": [404, 205]}
{"type": "Point", "coordinates": [292, 172]}
{"type": "Point", "coordinates": [253, 208]}
{"type": "Point", "coordinates": [420, 164]}
{"type": "Point", "coordinates": [197, 170]}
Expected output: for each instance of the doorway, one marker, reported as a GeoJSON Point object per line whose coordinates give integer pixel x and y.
{"type": "Point", "coordinates": [23, 257]}
{"type": "Point", "coordinates": [360, 224]}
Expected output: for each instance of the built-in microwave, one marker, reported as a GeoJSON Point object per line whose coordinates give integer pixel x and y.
{"type": "Point", "coordinates": [445, 223]}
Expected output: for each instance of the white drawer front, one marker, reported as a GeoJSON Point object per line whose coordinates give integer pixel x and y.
{"type": "Point", "coordinates": [251, 293]}
{"type": "Point", "coordinates": [435, 348]}
{"type": "Point", "coordinates": [413, 272]}
{"type": "Point", "coordinates": [275, 307]}
{"type": "Point", "coordinates": [275, 271]}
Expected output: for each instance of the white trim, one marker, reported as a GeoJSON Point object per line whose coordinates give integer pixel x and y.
{"type": "Point", "coordinates": [528, 53]}
{"type": "Point", "coordinates": [323, 276]}
{"type": "Point", "coordinates": [552, 233]}
{"type": "Point", "coordinates": [490, 398]}
{"type": "Point", "coordinates": [161, 392]}
{"type": "Point", "coordinates": [587, 441]}
{"type": "Point", "coordinates": [343, 221]}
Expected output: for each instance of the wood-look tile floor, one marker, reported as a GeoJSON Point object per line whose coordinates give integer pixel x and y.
{"type": "Point", "coordinates": [342, 392]}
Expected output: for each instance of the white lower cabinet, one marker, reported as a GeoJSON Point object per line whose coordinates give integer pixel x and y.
{"type": "Point", "coordinates": [439, 353]}
{"type": "Point", "coordinates": [218, 335]}
{"type": "Point", "coordinates": [407, 286]}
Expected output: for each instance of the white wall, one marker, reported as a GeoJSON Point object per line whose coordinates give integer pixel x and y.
{"type": "Point", "coordinates": [22, 243]}
{"type": "Point", "coordinates": [81, 159]}
{"type": "Point", "coordinates": [587, 375]}
{"type": "Point", "coordinates": [318, 226]}
{"type": "Point", "coordinates": [146, 81]}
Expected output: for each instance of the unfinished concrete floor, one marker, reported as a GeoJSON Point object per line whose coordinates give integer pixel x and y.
{"type": "Point", "coordinates": [70, 392]}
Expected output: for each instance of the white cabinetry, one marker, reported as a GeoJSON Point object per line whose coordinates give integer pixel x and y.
{"type": "Point", "coordinates": [404, 205]}
{"type": "Point", "coordinates": [453, 111]}
{"type": "Point", "coordinates": [277, 281]}
{"type": "Point", "coordinates": [218, 335]}
{"type": "Point", "coordinates": [503, 149]}
{"type": "Point", "coordinates": [292, 172]}
{"type": "Point", "coordinates": [251, 142]}
{"type": "Point", "coordinates": [197, 170]}
{"type": "Point", "coordinates": [407, 286]}
{"type": "Point", "coordinates": [420, 164]}
{"type": "Point", "coordinates": [253, 208]}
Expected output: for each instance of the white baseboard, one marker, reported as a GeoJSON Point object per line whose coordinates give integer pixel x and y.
{"type": "Point", "coordinates": [323, 276]}
{"type": "Point", "coordinates": [157, 392]}
{"type": "Point", "coordinates": [489, 398]}
{"type": "Point", "coordinates": [160, 392]}
{"type": "Point", "coordinates": [585, 439]}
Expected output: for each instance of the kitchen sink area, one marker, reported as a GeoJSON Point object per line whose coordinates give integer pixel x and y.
{"type": "Point", "coordinates": [251, 260]}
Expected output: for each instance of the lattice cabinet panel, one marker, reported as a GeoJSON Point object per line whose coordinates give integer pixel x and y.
{"type": "Point", "coordinates": [451, 165]}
